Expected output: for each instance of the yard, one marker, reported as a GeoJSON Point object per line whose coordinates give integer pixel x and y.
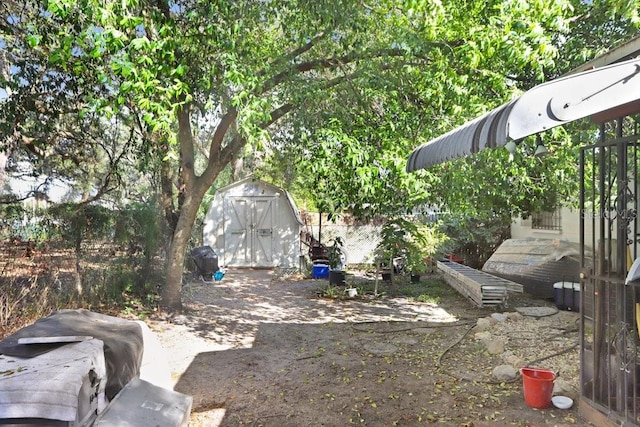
{"type": "Point", "coordinates": [256, 349]}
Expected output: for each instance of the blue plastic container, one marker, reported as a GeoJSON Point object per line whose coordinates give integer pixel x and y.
{"type": "Point", "coordinates": [568, 295]}
{"type": "Point", "coordinates": [576, 297]}
{"type": "Point", "coordinates": [320, 271]}
{"type": "Point", "coordinates": [559, 297]}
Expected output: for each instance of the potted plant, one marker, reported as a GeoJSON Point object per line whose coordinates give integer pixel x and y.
{"type": "Point", "coordinates": [389, 253]}
{"type": "Point", "coordinates": [415, 263]}
{"type": "Point", "coordinates": [417, 253]}
{"type": "Point", "coordinates": [400, 248]}
{"type": "Point", "coordinates": [404, 248]}
{"type": "Point", "coordinates": [336, 259]}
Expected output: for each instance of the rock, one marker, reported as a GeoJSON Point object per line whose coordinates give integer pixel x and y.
{"type": "Point", "coordinates": [514, 360]}
{"type": "Point", "coordinates": [499, 317]}
{"type": "Point", "coordinates": [495, 346]}
{"type": "Point", "coordinates": [180, 320]}
{"type": "Point", "coordinates": [514, 316]}
{"type": "Point", "coordinates": [483, 336]}
{"type": "Point", "coordinates": [562, 387]}
{"type": "Point", "coordinates": [485, 323]}
{"type": "Point", "coordinates": [504, 372]}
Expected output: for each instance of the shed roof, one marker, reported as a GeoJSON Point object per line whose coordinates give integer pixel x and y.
{"type": "Point", "coordinates": [600, 93]}
{"type": "Point", "coordinates": [251, 179]}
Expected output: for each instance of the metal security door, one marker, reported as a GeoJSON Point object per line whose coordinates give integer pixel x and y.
{"type": "Point", "coordinates": [609, 306]}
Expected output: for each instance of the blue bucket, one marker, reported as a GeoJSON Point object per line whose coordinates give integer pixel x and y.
{"type": "Point", "coordinates": [320, 271]}
{"type": "Point", "coordinates": [218, 275]}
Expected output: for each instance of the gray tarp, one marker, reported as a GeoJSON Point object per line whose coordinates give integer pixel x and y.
{"type": "Point", "coordinates": [123, 345]}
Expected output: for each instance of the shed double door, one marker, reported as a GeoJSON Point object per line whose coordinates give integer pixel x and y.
{"type": "Point", "coordinates": [249, 226]}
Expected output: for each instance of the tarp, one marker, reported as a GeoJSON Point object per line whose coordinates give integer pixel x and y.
{"type": "Point", "coordinates": [53, 385]}
{"type": "Point", "coordinates": [536, 263]}
{"type": "Point", "coordinates": [123, 343]}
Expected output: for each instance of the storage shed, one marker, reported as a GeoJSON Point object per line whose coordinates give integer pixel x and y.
{"type": "Point", "coordinates": [252, 223]}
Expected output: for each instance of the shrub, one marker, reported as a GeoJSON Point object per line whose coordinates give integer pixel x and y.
{"type": "Point", "coordinates": [474, 238]}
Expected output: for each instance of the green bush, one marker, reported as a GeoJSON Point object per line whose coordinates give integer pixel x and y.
{"type": "Point", "coordinates": [473, 238]}
{"type": "Point", "coordinates": [90, 255]}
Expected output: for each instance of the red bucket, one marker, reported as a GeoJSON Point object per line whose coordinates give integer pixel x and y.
{"type": "Point", "coordinates": [538, 387]}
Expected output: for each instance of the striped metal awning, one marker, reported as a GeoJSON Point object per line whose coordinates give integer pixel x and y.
{"type": "Point", "coordinates": [599, 92]}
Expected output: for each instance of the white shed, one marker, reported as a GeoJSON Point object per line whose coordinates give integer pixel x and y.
{"type": "Point", "coordinates": [252, 223]}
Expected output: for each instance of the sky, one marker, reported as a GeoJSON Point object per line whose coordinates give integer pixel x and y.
{"type": "Point", "coordinates": [21, 186]}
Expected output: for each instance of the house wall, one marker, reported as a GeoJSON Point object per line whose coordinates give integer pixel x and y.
{"type": "Point", "coordinates": [569, 228]}
{"type": "Point", "coordinates": [570, 232]}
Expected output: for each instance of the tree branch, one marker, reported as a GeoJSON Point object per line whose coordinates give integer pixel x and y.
{"type": "Point", "coordinates": [163, 7]}
{"type": "Point", "coordinates": [231, 150]}
{"type": "Point", "coordinates": [326, 63]}
{"type": "Point", "coordinates": [215, 146]}
{"type": "Point", "coordinates": [299, 51]}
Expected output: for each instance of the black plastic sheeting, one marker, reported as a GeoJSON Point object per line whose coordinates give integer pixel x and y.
{"type": "Point", "coordinates": [122, 341]}
{"type": "Point", "coordinates": [536, 264]}
{"type": "Point", "coordinates": [206, 261]}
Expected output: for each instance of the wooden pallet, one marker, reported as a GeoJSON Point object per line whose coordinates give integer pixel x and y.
{"type": "Point", "coordinates": [483, 289]}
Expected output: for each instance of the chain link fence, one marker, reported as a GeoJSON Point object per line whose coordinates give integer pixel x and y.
{"type": "Point", "coordinates": [358, 241]}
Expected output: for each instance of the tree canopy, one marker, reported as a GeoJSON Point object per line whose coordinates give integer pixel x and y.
{"type": "Point", "coordinates": [359, 152]}
{"type": "Point", "coordinates": [341, 89]}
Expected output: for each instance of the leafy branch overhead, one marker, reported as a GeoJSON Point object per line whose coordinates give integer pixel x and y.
{"type": "Point", "coordinates": [329, 95]}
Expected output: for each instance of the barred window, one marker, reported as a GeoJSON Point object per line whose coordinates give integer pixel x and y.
{"type": "Point", "coordinates": [546, 220]}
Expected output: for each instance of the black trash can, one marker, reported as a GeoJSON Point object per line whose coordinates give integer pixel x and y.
{"type": "Point", "coordinates": [206, 261]}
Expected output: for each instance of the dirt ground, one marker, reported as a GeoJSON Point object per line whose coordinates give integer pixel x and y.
{"type": "Point", "coordinates": [258, 350]}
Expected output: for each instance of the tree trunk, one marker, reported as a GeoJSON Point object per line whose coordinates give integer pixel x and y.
{"type": "Point", "coordinates": [166, 196]}
{"type": "Point", "coordinates": [171, 293]}
{"type": "Point", "coordinates": [193, 189]}
{"type": "Point", "coordinates": [78, 271]}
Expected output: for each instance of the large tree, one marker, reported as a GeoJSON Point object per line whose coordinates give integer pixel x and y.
{"type": "Point", "coordinates": [199, 81]}
{"type": "Point", "coordinates": [357, 156]}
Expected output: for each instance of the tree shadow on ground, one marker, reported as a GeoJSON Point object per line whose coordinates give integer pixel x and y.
{"type": "Point", "coordinates": [281, 356]}
{"type": "Point", "coordinates": [368, 373]}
